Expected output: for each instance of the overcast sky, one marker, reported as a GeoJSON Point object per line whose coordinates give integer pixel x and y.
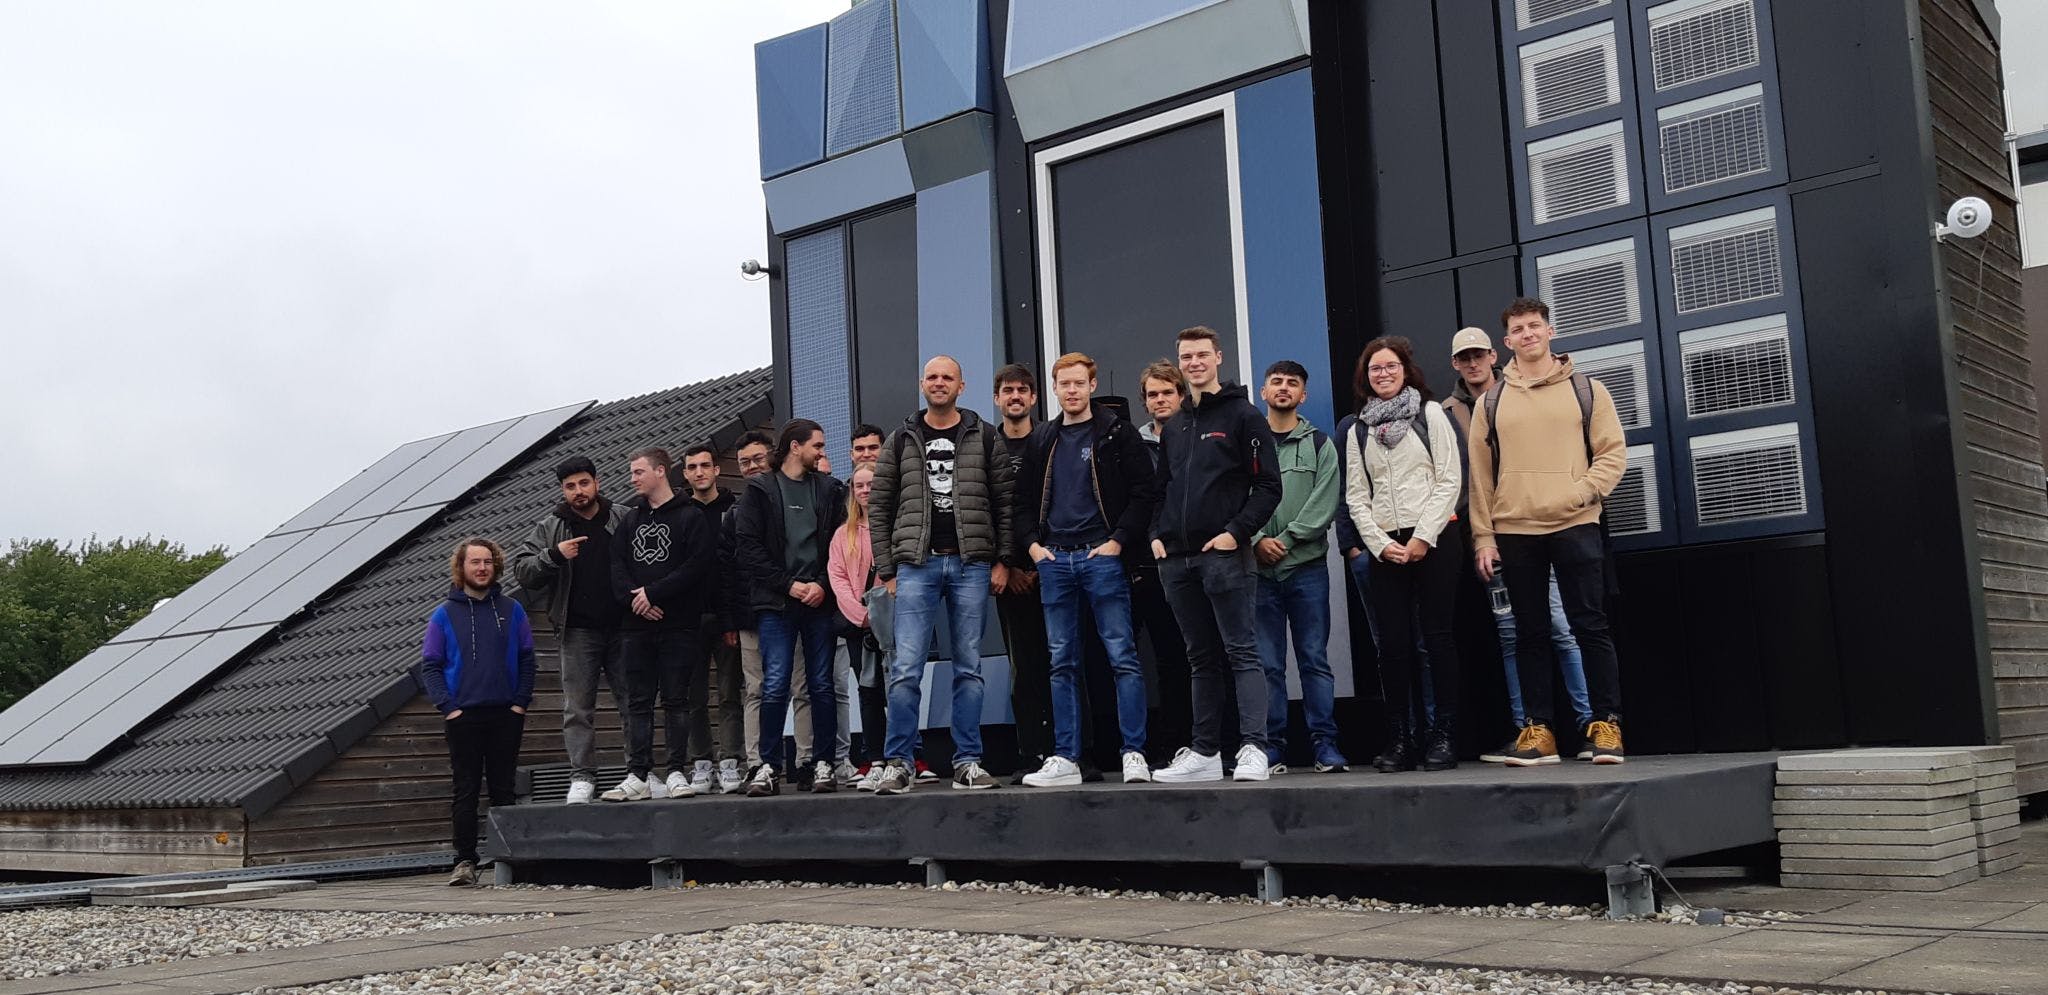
{"type": "Point", "coordinates": [248, 248]}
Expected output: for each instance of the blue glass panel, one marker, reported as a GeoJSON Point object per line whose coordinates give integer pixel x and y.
{"type": "Point", "coordinates": [945, 59]}
{"type": "Point", "coordinates": [789, 93]}
{"type": "Point", "coordinates": [1047, 29]}
{"type": "Point", "coordinates": [861, 103]}
{"type": "Point", "coordinates": [818, 347]}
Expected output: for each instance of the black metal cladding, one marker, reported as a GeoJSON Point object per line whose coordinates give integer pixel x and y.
{"type": "Point", "coordinates": [272, 721]}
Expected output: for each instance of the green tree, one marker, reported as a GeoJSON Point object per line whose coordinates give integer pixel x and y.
{"type": "Point", "coordinates": [60, 601]}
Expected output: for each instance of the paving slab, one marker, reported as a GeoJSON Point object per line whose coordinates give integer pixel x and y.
{"type": "Point", "coordinates": [1540, 954]}
{"type": "Point", "coordinates": [1873, 792]}
{"type": "Point", "coordinates": [1958, 963]}
{"type": "Point", "coordinates": [1881, 882]}
{"type": "Point", "coordinates": [1958, 817]}
{"type": "Point", "coordinates": [1850, 806]}
{"type": "Point", "coordinates": [1962, 846]}
{"type": "Point", "coordinates": [1878, 759]}
{"type": "Point", "coordinates": [1769, 957]}
{"type": "Point", "coordinates": [1877, 777]}
{"type": "Point", "coordinates": [1915, 910]}
{"type": "Point", "coordinates": [2004, 864]}
{"type": "Point", "coordinates": [1993, 810]}
{"type": "Point", "coordinates": [1962, 861]}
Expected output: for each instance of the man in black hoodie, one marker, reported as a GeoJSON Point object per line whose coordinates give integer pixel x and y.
{"type": "Point", "coordinates": [700, 471]}
{"type": "Point", "coordinates": [1218, 488]}
{"type": "Point", "coordinates": [783, 529]}
{"type": "Point", "coordinates": [664, 556]}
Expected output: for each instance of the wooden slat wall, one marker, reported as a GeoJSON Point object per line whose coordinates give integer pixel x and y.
{"type": "Point", "coordinates": [122, 841]}
{"type": "Point", "coordinates": [2000, 417]}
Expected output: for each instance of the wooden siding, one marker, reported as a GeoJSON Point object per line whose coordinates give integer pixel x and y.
{"type": "Point", "coordinates": [1994, 372]}
{"type": "Point", "coordinates": [122, 841]}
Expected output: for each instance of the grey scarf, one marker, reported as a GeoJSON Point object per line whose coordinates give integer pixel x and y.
{"type": "Point", "coordinates": [1389, 418]}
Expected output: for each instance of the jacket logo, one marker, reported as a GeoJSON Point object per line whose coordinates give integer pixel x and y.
{"type": "Point", "coordinates": [1222, 436]}
{"type": "Point", "coordinates": [650, 543]}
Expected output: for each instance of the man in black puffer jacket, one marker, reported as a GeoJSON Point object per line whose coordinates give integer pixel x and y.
{"type": "Point", "coordinates": [1218, 487]}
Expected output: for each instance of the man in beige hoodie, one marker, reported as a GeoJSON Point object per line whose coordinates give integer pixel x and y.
{"type": "Point", "coordinates": [1546, 449]}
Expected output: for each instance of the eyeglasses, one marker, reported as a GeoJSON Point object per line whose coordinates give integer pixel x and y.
{"type": "Point", "coordinates": [1386, 371]}
{"type": "Point", "coordinates": [747, 461]}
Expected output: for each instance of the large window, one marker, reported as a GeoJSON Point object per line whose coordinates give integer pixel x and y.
{"type": "Point", "coordinates": [1140, 242]}
{"type": "Point", "coordinates": [886, 363]}
{"type": "Point", "coordinates": [852, 292]}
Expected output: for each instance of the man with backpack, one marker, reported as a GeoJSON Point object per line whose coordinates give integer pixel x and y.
{"type": "Point", "coordinates": [1547, 450]}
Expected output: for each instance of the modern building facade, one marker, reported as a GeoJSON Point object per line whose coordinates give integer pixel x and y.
{"type": "Point", "coordinates": [1833, 529]}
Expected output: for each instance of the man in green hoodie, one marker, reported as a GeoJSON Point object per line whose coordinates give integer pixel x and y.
{"type": "Point", "coordinates": [1294, 580]}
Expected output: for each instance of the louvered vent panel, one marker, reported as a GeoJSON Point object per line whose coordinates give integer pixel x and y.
{"type": "Point", "coordinates": [1737, 367]}
{"type": "Point", "coordinates": [861, 102]}
{"type": "Point", "coordinates": [818, 346]}
{"type": "Point", "coordinates": [1579, 172]}
{"type": "Point", "coordinates": [1694, 40]}
{"type": "Point", "coordinates": [1747, 475]}
{"type": "Point", "coordinates": [1632, 508]}
{"type": "Point", "coordinates": [1570, 74]}
{"type": "Point", "coordinates": [1726, 261]}
{"type": "Point", "coordinates": [1530, 13]}
{"type": "Point", "coordinates": [1591, 289]}
{"type": "Point", "coordinates": [1713, 139]}
{"type": "Point", "coordinates": [1625, 372]}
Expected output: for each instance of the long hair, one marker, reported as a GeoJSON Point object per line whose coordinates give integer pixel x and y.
{"type": "Point", "coordinates": [856, 513]}
{"type": "Point", "coordinates": [799, 430]}
{"type": "Point", "coordinates": [462, 549]}
{"type": "Point", "coordinates": [1402, 349]}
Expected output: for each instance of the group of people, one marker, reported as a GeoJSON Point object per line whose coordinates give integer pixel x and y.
{"type": "Point", "coordinates": [1205, 530]}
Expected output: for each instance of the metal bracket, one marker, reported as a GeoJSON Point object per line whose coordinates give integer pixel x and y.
{"type": "Point", "coordinates": [1267, 884]}
{"type": "Point", "coordinates": [665, 873]}
{"type": "Point", "coordinates": [1629, 891]}
{"type": "Point", "coordinates": [501, 873]}
{"type": "Point", "coordinates": [934, 871]}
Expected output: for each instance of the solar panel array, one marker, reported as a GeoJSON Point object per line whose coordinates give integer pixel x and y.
{"type": "Point", "coordinates": [100, 699]}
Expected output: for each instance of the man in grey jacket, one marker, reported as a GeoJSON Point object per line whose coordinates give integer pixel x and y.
{"type": "Point", "coordinates": [566, 559]}
{"type": "Point", "coordinates": [939, 516]}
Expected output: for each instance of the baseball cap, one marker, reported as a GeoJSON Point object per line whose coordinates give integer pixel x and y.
{"type": "Point", "coordinates": [1469, 338]}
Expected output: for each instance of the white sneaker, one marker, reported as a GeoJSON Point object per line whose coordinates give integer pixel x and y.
{"type": "Point", "coordinates": [872, 778]}
{"type": "Point", "coordinates": [729, 780]}
{"type": "Point", "coordinates": [846, 774]}
{"type": "Point", "coordinates": [580, 793]}
{"type": "Point", "coordinates": [1058, 772]}
{"type": "Point", "coordinates": [632, 789]}
{"type": "Point", "coordinates": [679, 785]}
{"type": "Point", "coordinates": [702, 779]}
{"type": "Point", "coordinates": [657, 787]}
{"type": "Point", "coordinates": [1251, 764]}
{"type": "Point", "coordinates": [1136, 770]}
{"type": "Point", "coordinates": [1189, 766]}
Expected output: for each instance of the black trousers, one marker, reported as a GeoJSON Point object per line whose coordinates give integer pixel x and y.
{"type": "Point", "coordinates": [658, 663]}
{"type": "Point", "coordinates": [1580, 558]}
{"type": "Point", "coordinates": [1213, 597]}
{"type": "Point", "coordinates": [483, 748]}
{"type": "Point", "coordinates": [1404, 595]}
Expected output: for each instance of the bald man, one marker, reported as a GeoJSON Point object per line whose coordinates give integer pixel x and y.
{"type": "Point", "coordinates": [939, 516]}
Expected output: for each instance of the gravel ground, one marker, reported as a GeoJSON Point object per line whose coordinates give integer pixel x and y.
{"type": "Point", "coordinates": [1673, 912]}
{"type": "Point", "coordinates": [814, 959]}
{"type": "Point", "coordinates": [38, 943]}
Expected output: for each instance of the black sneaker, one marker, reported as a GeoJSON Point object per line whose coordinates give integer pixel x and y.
{"type": "Point", "coordinates": [800, 776]}
{"type": "Point", "coordinates": [896, 779]}
{"type": "Point", "coordinates": [1499, 754]}
{"type": "Point", "coordinates": [1090, 773]}
{"type": "Point", "coordinates": [763, 782]}
{"type": "Point", "coordinates": [1440, 754]}
{"type": "Point", "coordinates": [1026, 765]}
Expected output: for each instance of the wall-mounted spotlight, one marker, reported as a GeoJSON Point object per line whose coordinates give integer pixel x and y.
{"type": "Point", "coordinates": [754, 269]}
{"type": "Point", "coordinates": [1967, 218]}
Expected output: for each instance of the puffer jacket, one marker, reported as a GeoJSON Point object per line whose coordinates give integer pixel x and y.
{"type": "Point", "coordinates": [543, 584]}
{"type": "Point", "coordinates": [1406, 487]}
{"type": "Point", "coordinates": [984, 496]}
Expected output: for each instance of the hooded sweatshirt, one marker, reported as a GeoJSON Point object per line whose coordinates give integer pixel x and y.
{"type": "Point", "coordinates": [1216, 472]}
{"type": "Point", "coordinates": [477, 652]}
{"type": "Point", "coordinates": [1310, 488]}
{"type": "Point", "coordinates": [1546, 483]}
{"type": "Point", "coordinates": [672, 551]}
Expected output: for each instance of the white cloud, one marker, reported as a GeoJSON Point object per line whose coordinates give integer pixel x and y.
{"type": "Point", "coordinates": [247, 248]}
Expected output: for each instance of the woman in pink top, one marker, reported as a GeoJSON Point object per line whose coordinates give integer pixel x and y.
{"type": "Point", "coordinates": [850, 567]}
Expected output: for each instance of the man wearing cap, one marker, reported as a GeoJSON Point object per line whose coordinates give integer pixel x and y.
{"type": "Point", "coordinates": [1473, 358]}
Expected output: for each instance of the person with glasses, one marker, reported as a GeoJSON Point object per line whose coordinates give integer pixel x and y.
{"type": "Point", "coordinates": [1402, 483]}
{"type": "Point", "coordinates": [753, 453]}
{"type": "Point", "coordinates": [1476, 364]}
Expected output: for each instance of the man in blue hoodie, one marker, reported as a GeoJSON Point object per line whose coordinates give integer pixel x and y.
{"type": "Point", "coordinates": [477, 666]}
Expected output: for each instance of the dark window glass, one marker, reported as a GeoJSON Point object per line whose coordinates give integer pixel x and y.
{"type": "Point", "coordinates": [1143, 235]}
{"type": "Point", "coordinates": [885, 316]}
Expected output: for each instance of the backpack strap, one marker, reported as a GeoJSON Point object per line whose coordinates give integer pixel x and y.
{"type": "Point", "coordinates": [1582, 388]}
{"type": "Point", "coordinates": [1492, 402]}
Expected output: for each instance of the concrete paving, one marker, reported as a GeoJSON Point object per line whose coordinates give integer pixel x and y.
{"type": "Point", "coordinates": [1989, 936]}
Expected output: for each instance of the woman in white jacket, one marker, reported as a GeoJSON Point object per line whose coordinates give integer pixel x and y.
{"type": "Point", "coordinates": [1401, 484]}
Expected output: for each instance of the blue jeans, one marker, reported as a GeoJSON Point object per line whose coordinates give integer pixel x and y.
{"type": "Point", "coordinates": [1301, 602]}
{"type": "Point", "coordinates": [1064, 581]}
{"type": "Point", "coordinates": [779, 634]}
{"type": "Point", "coordinates": [963, 587]}
{"type": "Point", "coordinates": [1569, 662]}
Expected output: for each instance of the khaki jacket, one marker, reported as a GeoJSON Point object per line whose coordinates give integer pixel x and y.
{"type": "Point", "coordinates": [1546, 484]}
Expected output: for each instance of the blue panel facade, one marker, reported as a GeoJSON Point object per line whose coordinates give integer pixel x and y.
{"type": "Point", "coordinates": [862, 105]}
{"type": "Point", "coordinates": [1041, 30]}
{"type": "Point", "coordinates": [818, 339]}
{"type": "Point", "coordinates": [1283, 237]}
{"type": "Point", "coordinates": [839, 187]}
{"type": "Point", "coordinates": [944, 55]}
{"type": "Point", "coordinates": [789, 87]}
{"type": "Point", "coordinates": [958, 309]}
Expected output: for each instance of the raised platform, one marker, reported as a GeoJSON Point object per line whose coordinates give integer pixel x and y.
{"type": "Point", "coordinates": [1574, 816]}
